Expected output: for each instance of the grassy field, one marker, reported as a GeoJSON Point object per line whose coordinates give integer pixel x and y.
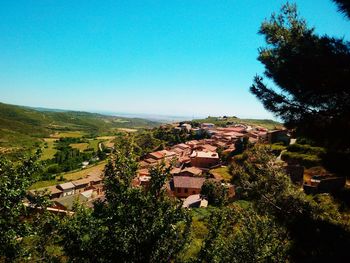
{"type": "Point", "coordinates": [22, 129]}
{"type": "Point", "coordinates": [42, 184]}
{"type": "Point", "coordinates": [80, 146]}
{"type": "Point", "coordinates": [105, 138]}
{"type": "Point", "coordinates": [84, 172]}
{"type": "Point", "coordinates": [49, 152]}
{"type": "Point", "coordinates": [71, 134]}
{"type": "Point", "coordinates": [94, 144]}
{"type": "Point", "coordinates": [127, 130]}
{"type": "Point", "coordinates": [223, 173]}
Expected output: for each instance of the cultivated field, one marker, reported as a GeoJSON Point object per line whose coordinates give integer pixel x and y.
{"type": "Point", "coordinates": [71, 134]}
{"type": "Point", "coordinates": [80, 146]}
{"type": "Point", "coordinates": [49, 152]}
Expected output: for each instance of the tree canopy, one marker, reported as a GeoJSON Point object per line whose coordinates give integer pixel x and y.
{"type": "Point", "coordinates": [131, 225]}
{"type": "Point", "coordinates": [316, 229]}
{"type": "Point", "coordinates": [311, 75]}
{"type": "Point", "coordinates": [344, 6]}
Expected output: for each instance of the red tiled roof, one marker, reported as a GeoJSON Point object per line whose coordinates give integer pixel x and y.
{"type": "Point", "coordinates": [162, 154]}
{"type": "Point", "coordinates": [188, 182]}
{"type": "Point", "coordinates": [209, 147]}
{"type": "Point", "coordinates": [143, 172]}
{"type": "Point", "coordinates": [182, 146]}
{"type": "Point", "coordinates": [157, 155]}
{"type": "Point", "coordinates": [150, 160]}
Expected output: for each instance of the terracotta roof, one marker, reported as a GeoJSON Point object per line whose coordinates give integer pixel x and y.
{"type": "Point", "coordinates": [188, 182]}
{"type": "Point", "coordinates": [161, 154]}
{"type": "Point", "coordinates": [193, 142]}
{"type": "Point", "coordinates": [143, 172]}
{"type": "Point", "coordinates": [178, 150]}
{"type": "Point", "coordinates": [234, 134]}
{"type": "Point", "coordinates": [209, 147]}
{"type": "Point", "coordinates": [150, 160]}
{"type": "Point", "coordinates": [182, 146]}
{"type": "Point", "coordinates": [157, 155]}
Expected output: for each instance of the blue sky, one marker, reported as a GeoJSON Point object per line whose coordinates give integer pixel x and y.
{"type": "Point", "coordinates": [157, 57]}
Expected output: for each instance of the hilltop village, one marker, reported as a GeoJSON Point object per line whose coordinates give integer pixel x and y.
{"type": "Point", "coordinates": [192, 163]}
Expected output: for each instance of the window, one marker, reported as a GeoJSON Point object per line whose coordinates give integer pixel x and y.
{"type": "Point", "coordinates": [179, 190]}
{"type": "Point", "coordinates": [186, 190]}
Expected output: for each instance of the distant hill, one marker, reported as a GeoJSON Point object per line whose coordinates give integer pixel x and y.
{"type": "Point", "coordinates": [22, 127]}
{"type": "Point", "coordinates": [220, 121]}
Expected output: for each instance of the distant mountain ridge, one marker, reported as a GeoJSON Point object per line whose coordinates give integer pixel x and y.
{"type": "Point", "coordinates": [22, 127]}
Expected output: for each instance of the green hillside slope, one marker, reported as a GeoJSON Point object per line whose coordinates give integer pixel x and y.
{"type": "Point", "coordinates": [22, 128]}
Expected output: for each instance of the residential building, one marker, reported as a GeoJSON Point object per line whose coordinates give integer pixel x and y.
{"type": "Point", "coordinates": [204, 159]}
{"type": "Point", "coordinates": [185, 186]}
{"type": "Point", "coordinates": [67, 189]}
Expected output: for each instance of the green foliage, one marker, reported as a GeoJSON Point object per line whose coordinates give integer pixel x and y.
{"type": "Point", "coordinates": [313, 223]}
{"type": "Point", "coordinates": [145, 142]}
{"type": "Point", "coordinates": [312, 76]}
{"type": "Point", "coordinates": [242, 235]}
{"type": "Point", "coordinates": [277, 148]}
{"type": "Point", "coordinates": [215, 192]}
{"type": "Point", "coordinates": [14, 181]}
{"type": "Point", "coordinates": [306, 160]}
{"type": "Point", "coordinates": [132, 225]}
{"type": "Point", "coordinates": [304, 154]}
{"type": "Point", "coordinates": [305, 148]}
{"type": "Point", "coordinates": [21, 128]}
{"type": "Point", "coordinates": [344, 6]}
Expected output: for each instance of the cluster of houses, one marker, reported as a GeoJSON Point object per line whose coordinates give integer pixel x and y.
{"type": "Point", "coordinates": [192, 161]}
{"type": "Point", "coordinates": [85, 190]}
{"type": "Point", "coordinates": [191, 164]}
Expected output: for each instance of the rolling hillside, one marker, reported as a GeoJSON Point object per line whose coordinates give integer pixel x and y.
{"type": "Point", "coordinates": [22, 128]}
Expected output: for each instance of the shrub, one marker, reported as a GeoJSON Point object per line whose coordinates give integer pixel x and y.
{"type": "Point", "coordinates": [277, 148]}
{"type": "Point", "coordinates": [307, 160]}
{"type": "Point", "coordinates": [306, 149]}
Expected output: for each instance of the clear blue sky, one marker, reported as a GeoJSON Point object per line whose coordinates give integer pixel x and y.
{"type": "Point", "coordinates": [162, 57]}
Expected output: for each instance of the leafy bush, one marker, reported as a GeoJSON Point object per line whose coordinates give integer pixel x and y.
{"type": "Point", "coordinates": [277, 148]}
{"type": "Point", "coordinates": [306, 149]}
{"type": "Point", "coordinates": [307, 160]}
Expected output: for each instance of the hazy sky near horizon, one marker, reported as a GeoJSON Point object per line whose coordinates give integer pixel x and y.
{"type": "Point", "coordinates": [188, 57]}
